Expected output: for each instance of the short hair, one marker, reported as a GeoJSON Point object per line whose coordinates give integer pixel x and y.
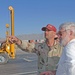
{"type": "Point", "coordinates": [68, 25]}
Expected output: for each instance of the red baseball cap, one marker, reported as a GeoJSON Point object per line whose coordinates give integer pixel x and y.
{"type": "Point", "coordinates": [49, 27]}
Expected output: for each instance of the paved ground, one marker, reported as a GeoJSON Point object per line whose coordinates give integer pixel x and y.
{"type": "Point", "coordinates": [23, 64]}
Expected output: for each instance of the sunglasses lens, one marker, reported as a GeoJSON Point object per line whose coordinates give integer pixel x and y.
{"type": "Point", "coordinates": [59, 33]}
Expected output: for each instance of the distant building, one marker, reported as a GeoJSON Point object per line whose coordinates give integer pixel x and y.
{"type": "Point", "coordinates": [36, 37]}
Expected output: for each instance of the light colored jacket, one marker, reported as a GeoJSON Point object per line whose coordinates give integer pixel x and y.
{"type": "Point", "coordinates": [66, 64]}
{"type": "Point", "coordinates": [47, 57]}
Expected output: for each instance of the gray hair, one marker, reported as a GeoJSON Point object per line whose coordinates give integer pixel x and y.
{"type": "Point", "coordinates": [68, 25]}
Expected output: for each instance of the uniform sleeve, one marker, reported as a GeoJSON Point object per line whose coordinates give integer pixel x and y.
{"type": "Point", "coordinates": [28, 47]}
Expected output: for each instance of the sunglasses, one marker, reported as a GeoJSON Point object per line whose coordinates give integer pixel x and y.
{"type": "Point", "coordinates": [61, 32]}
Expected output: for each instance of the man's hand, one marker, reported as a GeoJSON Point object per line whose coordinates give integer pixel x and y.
{"type": "Point", "coordinates": [14, 39]}
{"type": "Point", "coordinates": [48, 73]}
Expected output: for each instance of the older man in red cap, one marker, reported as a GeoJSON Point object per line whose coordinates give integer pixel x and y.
{"type": "Point", "coordinates": [48, 52]}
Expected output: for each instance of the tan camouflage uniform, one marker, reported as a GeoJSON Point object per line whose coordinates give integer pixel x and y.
{"type": "Point", "coordinates": [47, 57]}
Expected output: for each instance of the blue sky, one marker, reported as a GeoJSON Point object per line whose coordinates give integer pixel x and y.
{"type": "Point", "coordinates": [31, 15]}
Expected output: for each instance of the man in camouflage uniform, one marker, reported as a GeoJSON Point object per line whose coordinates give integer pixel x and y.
{"type": "Point", "coordinates": [48, 52]}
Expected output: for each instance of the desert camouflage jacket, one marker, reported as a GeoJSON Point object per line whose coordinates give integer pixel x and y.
{"type": "Point", "coordinates": [48, 57]}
